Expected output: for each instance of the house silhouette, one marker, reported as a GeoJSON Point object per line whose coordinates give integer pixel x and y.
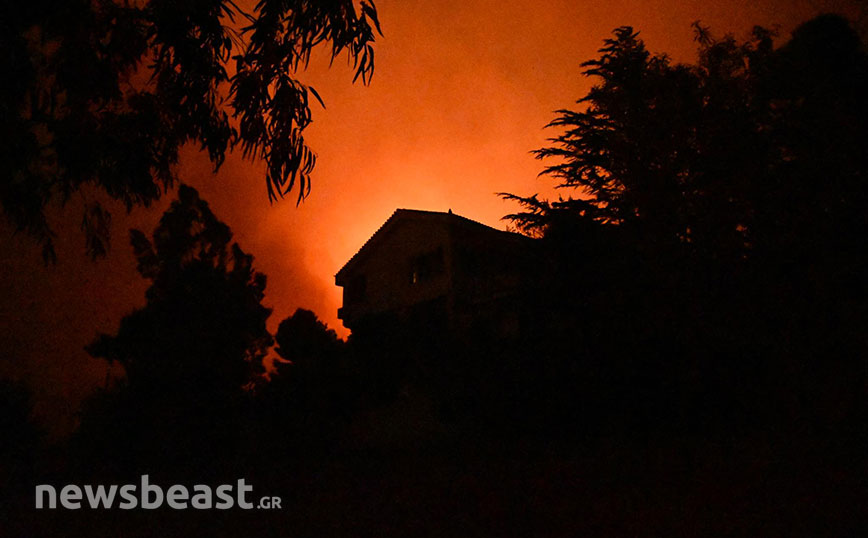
{"type": "Point", "coordinates": [436, 271]}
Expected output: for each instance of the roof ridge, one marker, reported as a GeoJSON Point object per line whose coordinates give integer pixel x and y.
{"type": "Point", "coordinates": [402, 210]}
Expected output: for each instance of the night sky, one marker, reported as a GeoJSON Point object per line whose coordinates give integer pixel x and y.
{"type": "Point", "coordinates": [460, 95]}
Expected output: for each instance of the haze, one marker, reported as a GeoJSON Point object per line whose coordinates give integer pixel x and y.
{"type": "Point", "coordinates": [460, 95]}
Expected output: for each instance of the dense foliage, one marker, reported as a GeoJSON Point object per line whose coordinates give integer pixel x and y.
{"type": "Point", "coordinates": [712, 254]}
{"type": "Point", "coordinates": [105, 94]}
{"type": "Point", "coordinates": [189, 354]}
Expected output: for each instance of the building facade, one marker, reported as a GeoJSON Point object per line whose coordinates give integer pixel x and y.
{"type": "Point", "coordinates": [438, 271]}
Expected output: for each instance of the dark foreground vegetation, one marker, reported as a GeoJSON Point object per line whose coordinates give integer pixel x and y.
{"type": "Point", "coordinates": [691, 359]}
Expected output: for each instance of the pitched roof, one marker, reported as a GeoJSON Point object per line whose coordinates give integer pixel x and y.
{"type": "Point", "coordinates": [401, 214]}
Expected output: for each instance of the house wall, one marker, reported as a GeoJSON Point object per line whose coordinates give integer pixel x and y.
{"type": "Point", "coordinates": [389, 282]}
{"type": "Point", "coordinates": [488, 276]}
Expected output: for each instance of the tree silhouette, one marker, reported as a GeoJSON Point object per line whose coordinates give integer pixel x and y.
{"type": "Point", "coordinates": [662, 148]}
{"type": "Point", "coordinates": [303, 339]}
{"type": "Point", "coordinates": [714, 248]}
{"type": "Point", "coordinates": [743, 148]}
{"type": "Point", "coordinates": [106, 93]}
{"type": "Point", "coordinates": [312, 390]}
{"type": "Point", "coordinates": [190, 352]}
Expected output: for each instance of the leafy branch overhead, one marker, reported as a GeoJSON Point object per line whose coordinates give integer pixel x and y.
{"type": "Point", "coordinates": [104, 94]}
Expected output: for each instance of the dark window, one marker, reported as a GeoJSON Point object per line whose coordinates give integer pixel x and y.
{"type": "Point", "coordinates": [426, 266]}
{"type": "Point", "coordinates": [356, 290]}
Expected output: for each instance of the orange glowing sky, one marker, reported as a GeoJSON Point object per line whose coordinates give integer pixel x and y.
{"type": "Point", "coordinates": [461, 93]}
